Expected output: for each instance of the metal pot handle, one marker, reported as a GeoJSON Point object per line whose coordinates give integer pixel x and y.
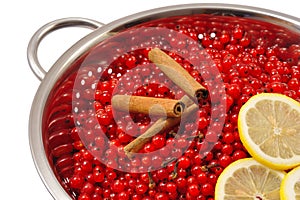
{"type": "Point", "coordinates": [34, 42]}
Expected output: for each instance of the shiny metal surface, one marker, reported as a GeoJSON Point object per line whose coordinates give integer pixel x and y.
{"type": "Point", "coordinates": [40, 34]}
{"type": "Point", "coordinates": [82, 46]}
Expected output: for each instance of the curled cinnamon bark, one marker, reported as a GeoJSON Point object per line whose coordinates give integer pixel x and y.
{"type": "Point", "coordinates": [178, 74]}
{"type": "Point", "coordinates": [148, 105]}
{"type": "Point", "coordinates": [161, 124]}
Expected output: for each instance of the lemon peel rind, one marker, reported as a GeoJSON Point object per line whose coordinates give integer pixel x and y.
{"type": "Point", "coordinates": [272, 162]}
{"type": "Point", "coordinates": [286, 191]}
{"type": "Point", "coordinates": [230, 169]}
{"type": "Point", "coordinates": [221, 180]}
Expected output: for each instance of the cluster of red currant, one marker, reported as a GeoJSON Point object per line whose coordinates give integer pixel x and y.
{"type": "Point", "coordinates": [235, 58]}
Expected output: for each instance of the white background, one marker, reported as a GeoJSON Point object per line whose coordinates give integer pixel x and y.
{"type": "Point", "coordinates": [19, 20]}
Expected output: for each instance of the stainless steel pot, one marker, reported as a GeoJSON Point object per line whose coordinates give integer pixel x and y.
{"type": "Point", "coordinates": [53, 76]}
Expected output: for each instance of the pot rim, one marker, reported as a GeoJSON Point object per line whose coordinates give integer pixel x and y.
{"type": "Point", "coordinates": [82, 46]}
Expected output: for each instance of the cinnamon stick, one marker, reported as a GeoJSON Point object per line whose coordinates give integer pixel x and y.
{"type": "Point", "coordinates": [161, 124]}
{"type": "Point", "coordinates": [177, 74]}
{"type": "Point", "coordinates": [148, 105]}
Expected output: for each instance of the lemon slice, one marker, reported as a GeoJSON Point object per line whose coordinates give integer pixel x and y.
{"type": "Point", "coordinates": [247, 179]}
{"type": "Point", "coordinates": [290, 186]}
{"type": "Point", "coordinates": [269, 128]}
